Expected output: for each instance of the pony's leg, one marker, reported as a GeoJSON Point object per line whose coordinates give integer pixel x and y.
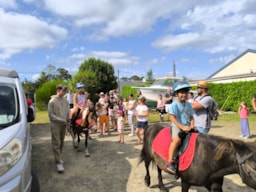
{"type": "Point", "coordinates": [73, 134]}
{"type": "Point", "coordinates": [184, 187]}
{"type": "Point", "coordinates": [160, 179]}
{"type": "Point", "coordinates": [216, 185]}
{"type": "Point", "coordinates": [87, 154]}
{"type": "Point", "coordinates": [147, 176]}
{"type": "Point", "coordinates": [78, 141]}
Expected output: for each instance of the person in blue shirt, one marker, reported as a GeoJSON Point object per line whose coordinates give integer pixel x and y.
{"type": "Point", "coordinates": [181, 115]}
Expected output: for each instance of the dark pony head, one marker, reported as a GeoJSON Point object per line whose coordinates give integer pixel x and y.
{"type": "Point", "coordinates": [244, 154]}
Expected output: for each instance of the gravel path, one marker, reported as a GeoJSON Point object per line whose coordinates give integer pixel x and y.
{"type": "Point", "coordinates": [112, 167]}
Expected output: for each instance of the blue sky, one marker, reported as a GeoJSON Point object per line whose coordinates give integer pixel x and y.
{"type": "Point", "coordinates": [135, 36]}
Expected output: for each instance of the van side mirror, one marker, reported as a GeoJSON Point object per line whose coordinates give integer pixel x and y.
{"type": "Point", "coordinates": [31, 114]}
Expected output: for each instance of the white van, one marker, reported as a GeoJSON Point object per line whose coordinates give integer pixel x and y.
{"type": "Point", "coordinates": [15, 146]}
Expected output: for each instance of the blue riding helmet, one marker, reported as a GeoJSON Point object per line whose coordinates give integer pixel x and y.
{"type": "Point", "coordinates": [79, 85]}
{"type": "Point", "coordinates": [180, 85]}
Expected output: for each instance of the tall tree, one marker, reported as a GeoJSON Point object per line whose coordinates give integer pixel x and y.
{"type": "Point", "coordinates": [63, 74]}
{"type": "Point", "coordinates": [50, 73]}
{"type": "Point", "coordinates": [104, 74]}
{"type": "Point", "coordinates": [135, 77]}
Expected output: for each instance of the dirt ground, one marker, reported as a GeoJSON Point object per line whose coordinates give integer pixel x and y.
{"type": "Point", "coordinates": [111, 166]}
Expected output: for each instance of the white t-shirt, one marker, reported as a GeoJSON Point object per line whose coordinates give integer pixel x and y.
{"type": "Point", "coordinates": [140, 109]}
{"type": "Point", "coordinates": [131, 103]}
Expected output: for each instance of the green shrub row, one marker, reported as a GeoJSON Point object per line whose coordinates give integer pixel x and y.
{"type": "Point", "coordinates": [228, 96]}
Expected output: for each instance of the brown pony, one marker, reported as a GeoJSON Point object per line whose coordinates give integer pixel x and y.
{"type": "Point", "coordinates": [214, 157]}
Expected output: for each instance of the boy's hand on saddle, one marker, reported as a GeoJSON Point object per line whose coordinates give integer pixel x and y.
{"type": "Point", "coordinates": [186, 128]}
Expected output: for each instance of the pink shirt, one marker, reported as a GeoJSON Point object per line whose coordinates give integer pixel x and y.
{"type": "Point", "coordinates": [244, 113]}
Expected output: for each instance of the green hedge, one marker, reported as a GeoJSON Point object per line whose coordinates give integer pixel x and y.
{"type": "Point", "coordinates": [228, 96]}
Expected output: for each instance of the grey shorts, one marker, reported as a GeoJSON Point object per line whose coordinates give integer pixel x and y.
{"type": "Point", "coordinates": [175, 131]}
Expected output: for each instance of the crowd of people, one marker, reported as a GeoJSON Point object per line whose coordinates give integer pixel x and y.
{"type": "Point", "coordinates": [110, 113]}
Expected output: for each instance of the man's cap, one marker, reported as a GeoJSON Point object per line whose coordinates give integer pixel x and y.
{"type": "Point", "coordinates": [202, 84]}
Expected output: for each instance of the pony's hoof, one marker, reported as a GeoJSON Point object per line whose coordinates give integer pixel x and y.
{"type": "Point", "coordinates": [87, 155]}
{"type": "Point", "coordinates": [164, 189]}
{"type": "Point", "coordinates": [147, 181]}
{"type": "Point", "coordinates": [75, 145]}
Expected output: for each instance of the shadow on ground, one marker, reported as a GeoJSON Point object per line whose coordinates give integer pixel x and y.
{"type": "Point", "coordinates": [107, 169]}
{"type": "Point", "coordinates": [111, 166]}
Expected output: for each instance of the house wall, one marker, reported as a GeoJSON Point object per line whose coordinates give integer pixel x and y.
{"type": "Point", "coordinates": [244, 65]}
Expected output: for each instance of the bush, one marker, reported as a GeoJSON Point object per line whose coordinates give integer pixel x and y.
{"type": "Point", "coordinates": [44, 93]}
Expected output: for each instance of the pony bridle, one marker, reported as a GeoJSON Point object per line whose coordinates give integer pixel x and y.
{"type": "Point", "coordinates": [244, 169]}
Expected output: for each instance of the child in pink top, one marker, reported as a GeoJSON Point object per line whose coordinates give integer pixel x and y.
{"type": "Point", "coordinates": [243, 112]}
{"type": "Point", "coordinates": [120, 126]}
{"type": "Point", "coordinates": [161, 107]}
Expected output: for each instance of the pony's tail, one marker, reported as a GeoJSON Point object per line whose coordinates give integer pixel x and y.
{"type": "Point", "coordinates": [142, 155]}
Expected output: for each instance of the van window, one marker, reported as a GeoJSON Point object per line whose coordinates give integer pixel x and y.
{"type": "Point", "coordinates": [8, 106]}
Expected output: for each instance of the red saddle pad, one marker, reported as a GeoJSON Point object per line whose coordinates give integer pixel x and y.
{"type": "Point", "coordinates": [161, 145]}
{"type": "Point", "coordinates": [79, 121]}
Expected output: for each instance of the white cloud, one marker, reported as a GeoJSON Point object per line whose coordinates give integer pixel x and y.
{"type": "Point", "coordinates": [35, 77]}
{"type": "Point", "coordinates": [156, 61]}
{"type": "Point", "coordinates": [221, 60]}
{"type": "Point", "coordinates": [109, 54]}
{"type": "Point", "coordinates": [115, 18]}
{"type": "Point", "coordinates": [21, 32]}
{"type": "Point", "coordinates": [219, 27]}
{"type": "Point", "coordinates": [171, 42]}
{"type": "Point", "coordinates": [11, 4]}
{"type": "Point", "coordinates": [78, 56]}
{"type": "Point", "coordinates": [28, 1]}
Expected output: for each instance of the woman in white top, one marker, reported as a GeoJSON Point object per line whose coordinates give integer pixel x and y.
{"type": "Point", "coordinates": [141, 113]}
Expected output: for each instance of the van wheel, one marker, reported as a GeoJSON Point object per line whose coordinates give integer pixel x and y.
{"type": "Point", "coordinates": [35, 186]}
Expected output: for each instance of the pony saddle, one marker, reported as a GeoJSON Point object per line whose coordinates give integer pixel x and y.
{"type": "Point", "coordinates": [77, 120]}
{"type": "Point", "coordinates": [184, 154]}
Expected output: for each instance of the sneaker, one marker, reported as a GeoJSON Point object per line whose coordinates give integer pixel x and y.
{"type": "Point", "coordinates": [171, 168]}
{"type": "Point", "coordinates": [60, 168]}
{"type": "Point", "coordinates": [130, 135]}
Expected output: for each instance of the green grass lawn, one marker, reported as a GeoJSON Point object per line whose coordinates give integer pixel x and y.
{"type": "Point", "coordinates": [42, 117]}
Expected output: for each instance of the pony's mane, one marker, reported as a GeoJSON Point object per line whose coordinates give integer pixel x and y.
{"type": "Point", "coordinates": [227, 146]}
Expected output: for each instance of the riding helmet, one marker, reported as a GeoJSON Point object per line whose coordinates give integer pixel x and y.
{"type": "Point", "coordinates": [79, 85]}
{"type": "Point", "coordinates": [180, 85]}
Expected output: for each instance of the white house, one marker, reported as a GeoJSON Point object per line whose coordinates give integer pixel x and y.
{"type": "Point", "coordinates": [242, 68]}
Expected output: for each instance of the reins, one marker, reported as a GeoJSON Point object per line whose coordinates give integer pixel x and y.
{"type": "Point", "coordinates": [242, 167]}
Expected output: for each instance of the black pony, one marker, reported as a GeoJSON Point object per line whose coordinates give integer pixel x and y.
{"type": "Point", "coordinates": [77, 129]}
{"type": "Point", "coordinates": [214, 157]}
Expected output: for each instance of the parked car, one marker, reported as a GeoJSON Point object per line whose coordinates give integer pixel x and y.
{"type": "Point", "coordinates": [15, 145]}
